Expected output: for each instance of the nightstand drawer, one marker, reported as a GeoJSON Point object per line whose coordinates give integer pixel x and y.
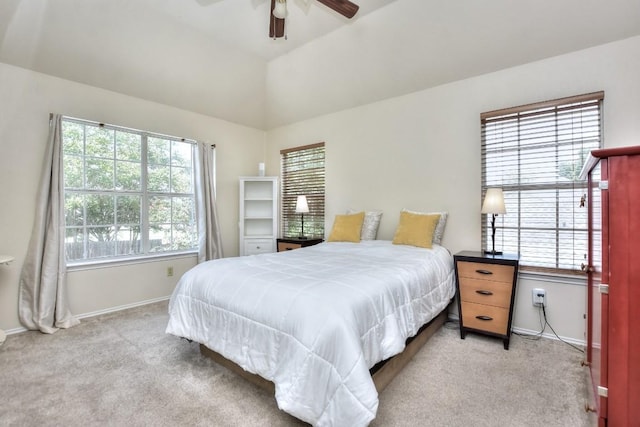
{"type": "Point", "coordinates": [482, 271]}
{"type": "Point", "coordinates": [485, 292]}
{"type": "Point", "coordinates": [287, 246]}
{"type": "Point", "coordinates": [485, 317]}
{"type": "Point", "coordinates": [258, 246]}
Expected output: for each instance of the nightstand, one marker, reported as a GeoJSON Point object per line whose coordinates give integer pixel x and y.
{"type": "Point", "coordinates": [485, 289]}
{"type": "Point", "coordinates": [289, 243]}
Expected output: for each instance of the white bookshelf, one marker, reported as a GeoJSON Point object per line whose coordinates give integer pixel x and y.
{"type": "Point", "coordinates": [258, 214]}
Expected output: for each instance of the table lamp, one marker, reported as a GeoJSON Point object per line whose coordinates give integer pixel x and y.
{"type": "Point", "coordinates": [493, 205]}
{"type": "Point", "coordinates": [302, 207]}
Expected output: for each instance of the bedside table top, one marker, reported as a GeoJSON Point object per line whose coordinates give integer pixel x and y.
{"type": "Point", "coordinates": [299, 240]}
{"type": "Point", "coordinates": [6, 259]}
{"type": "Point", "coordinates": [481, 256]}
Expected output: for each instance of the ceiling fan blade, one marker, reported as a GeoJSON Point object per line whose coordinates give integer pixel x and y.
{"type": "Point", "coordinates": [343, 7]}
{"type": "Point", "coordinates": [276, 25]}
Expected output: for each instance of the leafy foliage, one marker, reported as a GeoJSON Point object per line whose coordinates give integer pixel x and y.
{"type": "Point", "coordinates": [105, 193]}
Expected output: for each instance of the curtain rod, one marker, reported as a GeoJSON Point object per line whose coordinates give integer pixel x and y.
{"type": "Point", "coordinates": [127, 129]}
{"type": "Point", "coordinates": [102, 125]}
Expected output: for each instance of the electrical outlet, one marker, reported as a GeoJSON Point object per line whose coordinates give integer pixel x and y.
{"type": "Point", "coordinates": [539, 297]}
{"type": "Point", "coordinates": [169, 271]}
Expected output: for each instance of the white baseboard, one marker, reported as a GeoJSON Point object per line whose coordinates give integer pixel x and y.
{"type": "Point", "coordinates": [523, 331]}
{"type": "Point", "coordinates": [100, 312]}
{"type": "Point", "coordinates": [551, 336]}
{"type": "Point", "coordinates": [121, 307]}
{"type": "Point", "coordinates": [15, 331]}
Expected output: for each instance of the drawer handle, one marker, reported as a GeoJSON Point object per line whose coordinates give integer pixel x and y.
{"type": "Point", "coordinates": [257, 247]}
{"type": "Point", "coordinates": [288, 249]}
{"type": "Point", "coordinates": [483, 292]}
{"type": "Point", "coordinates": [484, 271]}
{"type": "Point", "coordinates": [485, 318]}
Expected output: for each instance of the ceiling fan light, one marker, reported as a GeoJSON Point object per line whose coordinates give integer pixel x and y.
{"type": "Point", "coordinates": [280, 9]}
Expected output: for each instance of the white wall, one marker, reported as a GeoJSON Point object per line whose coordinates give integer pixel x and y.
{"type": "Point", "coordinates": [26, 99]}
{"type": "Point", "coordinates": [130, 47]}
{"type": "Point", "coordinates": [410, 45]}
{"type": "Point", "coordinates": [422, 151]}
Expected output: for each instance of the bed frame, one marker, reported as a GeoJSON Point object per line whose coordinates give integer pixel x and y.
{"type": "Point", "coordinates": [382, 373]}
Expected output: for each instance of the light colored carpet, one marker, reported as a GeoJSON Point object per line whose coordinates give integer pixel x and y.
{"type": "Point", "coordinates": [122, 369]}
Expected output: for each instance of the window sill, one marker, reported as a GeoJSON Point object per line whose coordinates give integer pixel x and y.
{"type": "Point", "coordinates": [565, 279]}
{"type": "Point", "coordinates": [108, 263]}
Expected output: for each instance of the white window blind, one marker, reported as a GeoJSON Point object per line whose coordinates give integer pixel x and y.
{"type": "Point", "coordinates": [302, 171]}
{"type": "Point", "coordinates": [535, 154]}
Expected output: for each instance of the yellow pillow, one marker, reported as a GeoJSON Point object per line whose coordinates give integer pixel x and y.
{"type": "Point", "coordinates": [415, 229]}
{"type": "Point", "coordinates": [347, 228]}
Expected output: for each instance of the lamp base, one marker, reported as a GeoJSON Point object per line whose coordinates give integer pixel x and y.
{"type": "Point", "coordinates": [302, 237]}
{"type": "Point", "coordinates": [487, 252]}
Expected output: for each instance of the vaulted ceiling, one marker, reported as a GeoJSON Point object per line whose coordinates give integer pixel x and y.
{"type": "Point", "coordinates": [214, 56]}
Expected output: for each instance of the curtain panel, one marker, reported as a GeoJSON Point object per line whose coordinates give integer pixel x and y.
{"type": "Point", "coordinates": [209, 240]}
{"type": "Point", "coordinates": [42, 298]}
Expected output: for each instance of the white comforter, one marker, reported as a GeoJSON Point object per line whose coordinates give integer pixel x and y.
{"type": "Point", "coordinates": [314, 320]}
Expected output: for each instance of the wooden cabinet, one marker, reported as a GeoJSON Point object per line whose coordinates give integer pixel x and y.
{"type": "Point", "coordinates": [486, 287]}
{"type": "Point", "coordinates": [258, 214]}
{"type": "Point", "coordinates": [287, 244]}
{"type": "Point", "coordinates": [613, 298]}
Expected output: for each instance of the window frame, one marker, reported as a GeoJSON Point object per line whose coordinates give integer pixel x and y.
{"type": "Point", "coordinates": [527, 113]}
{"type": "Point", "coordinates": [143, 192]}
{"type": "Point", "coordinates": [291, 187]}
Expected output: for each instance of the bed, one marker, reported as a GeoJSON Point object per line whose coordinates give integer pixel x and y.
{"type": "Point", "coordinates": [314, 321]}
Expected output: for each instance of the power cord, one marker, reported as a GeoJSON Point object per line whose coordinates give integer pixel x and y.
{"type": "Point", "coordinates": [538, 335]}
{"type": "Point", "coordinates": [542, 314]}
{"type": "Point", "coordinates": [452, 324]}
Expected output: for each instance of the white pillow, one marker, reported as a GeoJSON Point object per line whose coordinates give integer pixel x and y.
{"type": "Point", "coordinates": [370, 224]}
{"type": "Point", "coordinates": [442, 222]}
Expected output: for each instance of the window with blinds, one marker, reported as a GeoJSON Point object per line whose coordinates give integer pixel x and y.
{"type": "Point", "coordinates": [535, 154]}
{"type": "Point", "coordinates": [302, 171]}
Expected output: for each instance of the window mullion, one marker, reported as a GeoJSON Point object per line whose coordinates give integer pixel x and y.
{"type": "Point", "coordinates": [85, 229]}
{"type": "Point", "coordinates": [114, 197]}
{"type": "Point", "coordinates": [144, 203]}
{"type": "Point", "coordinates": [557, 163]}
{"type": "Point", "coordinates": [519, 238]}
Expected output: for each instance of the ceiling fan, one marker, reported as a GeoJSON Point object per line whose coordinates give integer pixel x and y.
{"type": "Point", "coordinates": [278, 12]}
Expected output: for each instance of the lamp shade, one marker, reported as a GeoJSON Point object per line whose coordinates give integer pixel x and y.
{"type": "Point", "coordinates": [494, 202]}
{"type": "Point", "coordinates": [280, 9]}
{"type": "Point", "coordinates": [301, 205]}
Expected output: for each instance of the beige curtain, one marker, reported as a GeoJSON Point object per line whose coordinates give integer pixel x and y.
{"type": "Point", "coordinates": [210, 243]}
{"type": "Point", "coordinates": [42, 298]}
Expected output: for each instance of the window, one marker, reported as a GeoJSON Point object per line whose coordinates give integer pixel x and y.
{"type": "Point", "coordinates": [303, 174]}
{"type": "Point", "coordinates": [127, 193]}
{"type": "Point", "coordinates": [535, 154]}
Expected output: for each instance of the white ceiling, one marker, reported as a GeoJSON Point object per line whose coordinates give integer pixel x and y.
{"type": "Point", "coordinates": [214, 56]}
{"type": "Point", "coordinates": [245, 23]}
